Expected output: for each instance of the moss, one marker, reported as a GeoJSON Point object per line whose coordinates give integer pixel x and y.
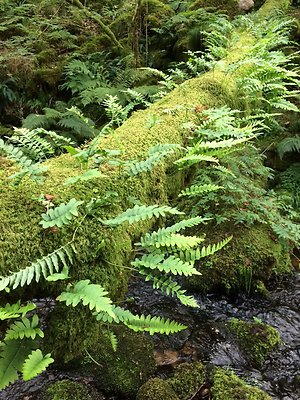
{"type": "Point", "coordinates": [46, 56]}
{"type": "Point", "coordinates": [257, 339]}
{"type": "Point", "coordinates": [226, 385]}
{"type": "Point", "coordinates": [187, 379]}
{"type": "Point", "coordinates": [125, 370]}
{"type": "Point", "coordinates": [156, 389]}
{"type": "Point", "coordinates": [68, 390]}
{"type": "Point", "coordinates": [251, 257]}
{"type": "Point", "coordinates": [230, 6]}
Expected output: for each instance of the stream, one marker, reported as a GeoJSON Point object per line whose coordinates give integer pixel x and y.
{"type": "Point", "coordinates": [207, 339]}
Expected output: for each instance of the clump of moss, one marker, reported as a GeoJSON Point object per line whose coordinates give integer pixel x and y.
{"type": "Point", "coordinates": [256, 338]}
{"type": "Point", "coordinates": [68, 390]}
{"type": "Point", "coordinates": [226, 385]}
{"type": "Point", "coordinates": [156, 389]}
{"type": "Point", "coordinates": [187, 379]}
{"type": "Point", "coordinates": [229, 6]}
{"type": "Point", "coordinates": [252, 256]}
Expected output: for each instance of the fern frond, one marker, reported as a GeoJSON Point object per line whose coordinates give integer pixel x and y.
{"type": "Point", "coordinates": [15, 310]}
{"type": "Point", "coordinates": [172, 240]}
{"type": "Point", "coordinates": [141, 213]}
{"type": "Point", "coordinates": [24, 328]}
{"type": "Point", "coordinates": [35, 364]}
{"type": "Point", "coordinates": [113, 340]}
{"type": "Point", "coordinates": [192, 159]}
{"type": "Point", "coordinates": [194, 255]}
{"type": "Point", "coordinates": [196, 190]}
{"type": "Point", "coordinates": [86, 176]}
{"type": "Point", "coordinates": [61, 215]}
{"type": "Point", "coordinates": [170, 287]}
{"type": "Point", "coordinates": [88, 294]}
{"type": "Point", "coordinates": [44, 266]}
{"type": "Point", "coordinates": [154, 325]}
{"type": "Point", "coordinates": [170, 264]}
{"type": "Point", "coordinates": [13, 353]}
{"type": "Point", "coordinates": [287, 145]}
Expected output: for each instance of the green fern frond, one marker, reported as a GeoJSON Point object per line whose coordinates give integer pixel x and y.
{"type": "Point", "coordinates": [197, 254]}
{"type": "Point", "coordinates": [170, 240]}
{"type": "Point", "coordinates": [192, 159]}
{"type": "Point", "coordinates": [120, 315]}
{"type": "Point", "coordinates": [196, 190]}
{"type": "Point", "coordinates": [154, 325]}
{"type": "Point", "coordinates": [61, 215]}
{"type": "Point", "coordinates": [287, 145]}
{"type": "Point", "coordinates": [88, 294]}
{"type": "Point", "coordinates": [15, 310]}
{"type": "Point", "coordinates": [170, 287]}
{"type": "Point", "coordinates": [113, 340]}
{"type": "Point", "coordinates": [15, 154]}
{"type": "Point", "coordinates": [24, 328]}
{"type": "Point", "coordinates": [170, 264]}
{"type": "Point", "coordinates": [44, 266]}
{"type": "Point", "coordinates": [86, 176]}
{"type": "Point", "coordinates": [35, 364]}
{"type": "Point", "coordinates": [13, 353]}
{"type": "Point", "coordinates": [141, 213]}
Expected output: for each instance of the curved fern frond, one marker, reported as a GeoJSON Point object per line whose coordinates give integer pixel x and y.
{"type": "Point", "coordinates": [113, 340]}
{"type": "Point", "coordinates": [141, 213]}
{"type": "Point", "coordinates": [24, 328]}
{"type": "Point", "coordinates": [196, 190]}
{"type": "Point", "coordinates": [194, 255]}
{"type": "Point", "coordinates": [170, 287]}
{"type": "Point", "coordinates": [92, 295]}
{"type": "Point", "coordinates": [61, 215]}
{"type": "Point", "coordinates": [15, 154]}
{"type": "Point", "coordinates": [171, 264]}
{"type": "Point", "coordinates": [35, 364]}
{"type": "Point", "coordinates": [287, 145]}
{"type": "Point", "coordinates": [154, 325]}
{"type": "Point", "coordinates": [44, 266]}
{"type": "Point", "coordinates": [86, 176]}
{"type": "Point", "coordinates": [192, 159]}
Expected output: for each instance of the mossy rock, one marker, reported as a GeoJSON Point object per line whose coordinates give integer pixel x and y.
{"type": "Point", "coordinates": [257, 339]}
{"type": "Point", "coordinates": [250, 258]}
{"type": "Point", "coordinates": [69, 390]}
{"type": "Point", "coordinates": [156, 389]}
{"type": "Point", "coordinates": [187, 379]}
{"type": "Point", "coordinates": [229, 6]}
{"type": "Point", "coordinates": [227, 386]}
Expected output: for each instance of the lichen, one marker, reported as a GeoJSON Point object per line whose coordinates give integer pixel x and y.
{"type": "Point", "coordinates": [156, 389]}
{"type": "Point", "coordinates": [226, 385]}
{"type": "Point", "coordinates": [256, 338]}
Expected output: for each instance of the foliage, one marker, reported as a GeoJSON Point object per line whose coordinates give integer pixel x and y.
{"type": "Point", "coordinates": [60, 215]}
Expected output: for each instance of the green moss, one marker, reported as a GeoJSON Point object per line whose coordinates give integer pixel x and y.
{"type": "Point", "coordinates": [68, 390]}
{"type": "Point", "coordinates": [156, 389]}
{"type": "Point", "coordinates": [187, 379]}
{"type": "Point", "coordinates": [229, 6]}
{"type": "Point", "coordinates": [226, 385]}
{"type": "Point", "coordinates": [251, 257]}
{"type": "Point", "coordinates": [257, 339]}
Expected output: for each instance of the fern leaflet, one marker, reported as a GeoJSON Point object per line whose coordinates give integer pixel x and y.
{"type": "Point", "coordinates": [196, 190]}
{"type": "Point", "coordinates": [35, 364]}
{"type": "Point", "coordinates": [61, 215]}
{"type": "Point", "coordinates": [24, 328]}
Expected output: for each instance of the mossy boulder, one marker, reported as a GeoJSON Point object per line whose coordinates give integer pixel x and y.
{"type": "Point", "coordinates": [250, 259]}
{"type": "Point", "coordinates": [187, 379]}
{"type": "Point", "coordinates": [156, 389]}
{"type": "Point", "coordinates": [226, 385]}
{"type": "Point", "coordinates": [229, 6]}
{"type": "Point", "coordinates": [69, 390]}
{"type": "Point", "coordinates": [256, 338]}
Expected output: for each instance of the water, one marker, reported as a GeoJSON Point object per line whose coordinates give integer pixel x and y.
{"type": "Point", "coordinates": [207, 339]}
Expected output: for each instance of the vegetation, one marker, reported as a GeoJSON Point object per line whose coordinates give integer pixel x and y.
{"type": "Point", "coordinates": [132, 141]}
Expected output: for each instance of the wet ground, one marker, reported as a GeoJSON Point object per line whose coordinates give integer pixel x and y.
{"type": "Point", "coordinates": [207, 339]}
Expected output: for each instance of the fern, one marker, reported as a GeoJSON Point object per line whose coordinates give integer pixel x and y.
{"type": "Point", "coordinates": [35, 364]}
{"type": "Point", "coordinates": [113, 340]}
{"type": "Point", "coordinates": [141, 213]}
{"type": "Point", "coordinates": [88, 294]}
{"type": "Point", "coordinates": [170, 287]}
{"type": "Point", "coordinates": [61, 215]}
{"type": "Point", "coordinates": [170, 240]}
{"type": "Point", "coordinates": [171, 264]}
{"type": "Point", "coordinates": [24, 328]}
{"type": "Point", "coordinates": [154, 325]}
{"type": "Point", "coordinates": [156, 155]}
{"type": "Point", "coordinates": [44, 266]}
{"type": "Point", "coordinates": [287, 145]}
{"type": "Point", "coordinates": [196, 190]}
{"type": "Point", "coordinates": [194, 255]}
{"type": "Point", "coordinates": [86, 176]}
{"type": "Point", "coordinates": [15, 310]}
